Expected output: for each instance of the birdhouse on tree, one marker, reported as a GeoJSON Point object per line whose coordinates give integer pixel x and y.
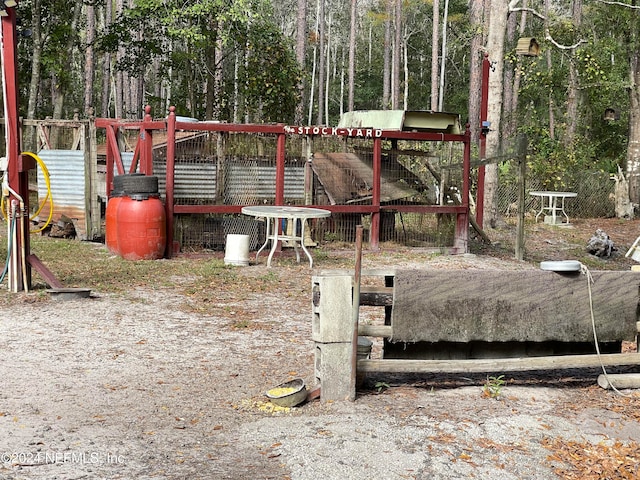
{"type": "Point", "coordinates": [528, 46]}
{"type": "Point", "coordinates": [611, 114]}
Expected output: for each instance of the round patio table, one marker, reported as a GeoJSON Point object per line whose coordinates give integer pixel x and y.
{"type": "Point", "coordinates": [274, 215]}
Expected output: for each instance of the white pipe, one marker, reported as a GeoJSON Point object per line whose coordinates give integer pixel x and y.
{"type": "Point", "coordinates": [14, 260]}
{"type": "Point", "coordinates": [9, 248]}
{"type": "Point", "coordinates": [23, 253]}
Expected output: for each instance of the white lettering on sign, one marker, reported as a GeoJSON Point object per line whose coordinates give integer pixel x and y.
{"type": "Point", "coordinates": [335, 131]}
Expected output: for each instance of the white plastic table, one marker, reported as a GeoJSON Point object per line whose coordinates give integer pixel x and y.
{"type": "Point", "coordinates": [274, 215]}
{"type": "Point", "coordinates": [550, 203]}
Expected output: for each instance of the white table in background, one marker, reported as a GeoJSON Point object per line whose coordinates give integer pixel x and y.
{"type": "Point", "coordinates": [274, 216]}
{"type": "Point", "coordinates": [550, 203]}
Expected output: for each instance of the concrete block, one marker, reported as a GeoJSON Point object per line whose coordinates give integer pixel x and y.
{"type": "Point", "coordinates": [332, 309]}
{"type": "Point", "coordinates": [333, 370]}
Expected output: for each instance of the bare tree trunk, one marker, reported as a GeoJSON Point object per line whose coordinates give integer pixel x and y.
{"type": "Point", "coordinates": [552, 121]}
{"type": "Point", "coordinates": [443, 58]}
{"type": "Point", "coordinates": [495, 47]}
{"type": "Point", "coordinates": [314, 68]}
{"type": "Point", "coordinates": [210, 93]}
{"type": "Point", "coordinates": [633, 148]}
{"type": "Point", "coordinates": [405, 56]}
{"type": "Point", "coordinates": [509, 74]}
{"type": "Point", "coordinates": [573, 93]}
{"type": "Point", "coordinates": [352, 55]}
{"type": "Point", "coordinates": [476, 13]}
{"type": "Point", "coordinates": [36, 55]}
{"type": "Point", "coordinates": [328, 73]}
{"type": "Point", "coordinates": [118, 100]}
{"type": "Point", "coordinates": [321, 61]}
{"type": "Point", "coordinates": [301, 52]}
{"type": "Point", "coordinates": [89, 65]}
{"type": "Point", "coordinates": [435, 42]}
{"type": "Point", "coordinates": [106, 67]}
{"type": "Point", "coordinates": [59, 90]}
{"type": "Point", "coordinates": [511, 103]}
{"type": "Point", "coordinates": [386, 74]}
{"type": "Point", "coordinates": [397, 55]}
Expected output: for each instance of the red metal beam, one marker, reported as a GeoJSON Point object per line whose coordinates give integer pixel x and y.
{"type": "Point", "coordinates": [18, 175]}
{"type": "Point", "coordinates": [374, 235]}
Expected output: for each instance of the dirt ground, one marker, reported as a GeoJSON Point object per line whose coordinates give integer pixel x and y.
{"type": "Point", "coordinates": [135, 385]}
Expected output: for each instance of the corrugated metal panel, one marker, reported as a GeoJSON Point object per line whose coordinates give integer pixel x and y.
{"type": "Point", "coordinates": [247, 182]}
{"type": "Point", "coordinates": [67, 176]}
{"type": "Point", "coordinates": [252, 181]}
{"type": "Point", "coordinates": [193, 181]}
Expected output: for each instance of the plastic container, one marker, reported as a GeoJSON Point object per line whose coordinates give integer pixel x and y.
{"type": "Point", "coordinates": [141, 227]}
{"type": "Point", "coordinates": [236, 250]}
{"type": "Point", "coordinates": [111, 223]}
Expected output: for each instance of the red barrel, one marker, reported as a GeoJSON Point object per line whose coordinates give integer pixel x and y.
{"type": "Point", "coordinates": [111, 224]}
{"type": "Point", "coordinates": [141, 227]}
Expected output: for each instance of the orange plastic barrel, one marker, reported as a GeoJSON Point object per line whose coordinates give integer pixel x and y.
{"type": "Point", "coordinates": [141, 229]}
{"type": "Point", "coordinates": [111, 224]}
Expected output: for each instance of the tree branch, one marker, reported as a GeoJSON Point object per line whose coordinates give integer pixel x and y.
{"type": "Point", "coordinates": [547, 35]}
{"type": "Point", "coordinates": [620, 4]}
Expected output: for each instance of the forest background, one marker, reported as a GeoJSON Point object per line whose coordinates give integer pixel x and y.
{"type": "Point", "coordinates": [574, 93]}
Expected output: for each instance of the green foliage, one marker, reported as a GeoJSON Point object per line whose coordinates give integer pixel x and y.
{"type": "Point", "coordinates": [270, 74]}
{"type": "Point", "coordinates": [492, 388]}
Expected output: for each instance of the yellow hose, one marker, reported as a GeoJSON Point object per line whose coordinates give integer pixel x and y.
{"type": "Point", "coordinates": [47, 180]}
{"type": "Point", "coordinates": [49, 196]}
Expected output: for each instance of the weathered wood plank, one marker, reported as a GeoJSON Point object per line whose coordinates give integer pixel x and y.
{"type": "Point", "coordinates": [502, 306]}
{"type": "Point", "coordinates": [498, 365]}
{"type": "Point", "coordinates": [374, 330]}
{"type": "Point", "coordinates": [376, 296]}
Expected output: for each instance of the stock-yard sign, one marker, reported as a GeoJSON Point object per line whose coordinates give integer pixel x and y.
{"type": "Point", "coordinates": [336, 131]}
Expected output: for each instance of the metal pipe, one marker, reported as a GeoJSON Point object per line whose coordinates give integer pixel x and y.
{"type": "Point", "coordinates": [23, 249]}
{"type": "Point", "coordinates": [13, 277]}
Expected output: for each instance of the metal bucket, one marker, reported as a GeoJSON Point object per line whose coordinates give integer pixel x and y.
{"type": "Point", "coordinates": [237, 250]}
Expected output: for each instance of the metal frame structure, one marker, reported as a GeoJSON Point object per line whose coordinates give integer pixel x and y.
{"type": "Point", "coordinates": [142, 162]}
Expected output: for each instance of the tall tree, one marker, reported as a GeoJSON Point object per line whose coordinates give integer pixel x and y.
{"type": "Point", "coordinates": [36, 67]}
{"type": "Point", "coordinates": [397, 54]}
{"type": "Point", "coordinates": [89, 60]}
{"type": "Point", "coordinates": [386, 52]}
{"type": "Point", "coordinates": [352, 54]}
{"type": "Point", "coordinates": [633, 149]}
{"type": "Point", "coordinates": [495, 48]}
{"type": "Point", "coordinates": [435, 42]}
{"type": "Point", "coordinates": [322, 52]}
{"type": "Point", "coordinates": [573, 91]}
{"type": "Point", "coordinates": [301, 55]}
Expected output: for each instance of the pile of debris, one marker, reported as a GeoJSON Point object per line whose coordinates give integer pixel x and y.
{"type": "Point", "coordinates": [601, 245]}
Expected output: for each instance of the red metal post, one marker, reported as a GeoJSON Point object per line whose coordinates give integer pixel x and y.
{"type": "Point", "coordinates": [170, 180]}
{"type": "Point", "coordinates": [146, 142]}
{"type": "Point", "coordinates": [18, 170]}
{"type": "Point", "coordinates": [461, 234]}
{"type": "Point", "coordinates": [484, 105]}
{"type": "Point", "coordinates": [280, 157]}
{"type": "Point", "coordinates": [374, 234]}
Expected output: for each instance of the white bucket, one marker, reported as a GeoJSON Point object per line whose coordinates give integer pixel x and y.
{"type": "Point", "coordinates": [237, 250]}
